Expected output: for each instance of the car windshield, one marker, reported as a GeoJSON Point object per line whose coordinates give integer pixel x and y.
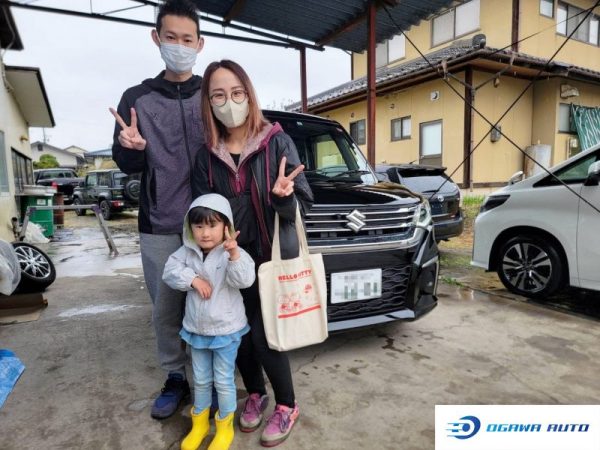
{"type": "Point", "coordinates": [119, 179]}
{"type": "Point", "coordinates": [327, 152]}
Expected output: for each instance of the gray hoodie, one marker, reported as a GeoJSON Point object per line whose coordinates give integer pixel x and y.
{"type": "Point", "coordinates": [223, 313]}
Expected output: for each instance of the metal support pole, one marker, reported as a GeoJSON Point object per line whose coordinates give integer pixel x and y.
{"type": "Point", "coordinates": [303, 79]}
{"type": "Point", "coordinates": [371, 87]}
{"type": "Point", "coordinates": [112, 248]}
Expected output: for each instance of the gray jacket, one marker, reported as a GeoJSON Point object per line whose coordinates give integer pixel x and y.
{"type": "Point", "coordinates": [224, 312]}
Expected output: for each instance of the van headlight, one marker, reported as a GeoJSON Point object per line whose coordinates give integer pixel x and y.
{"type": "Point", "coordinates": [423, 215]}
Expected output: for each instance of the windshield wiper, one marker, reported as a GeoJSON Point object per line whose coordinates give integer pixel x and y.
{"type": "Point", "coordinates": [351, 172]}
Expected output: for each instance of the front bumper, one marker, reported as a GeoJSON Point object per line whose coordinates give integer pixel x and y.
{"type": "Point", "coordinates": [409, 284]}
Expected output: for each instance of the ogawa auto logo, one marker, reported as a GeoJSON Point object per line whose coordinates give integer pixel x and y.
{"type": "Point", "coordinates": [464, 428]}
{"type": "Point", "coordinates": [468, 426]}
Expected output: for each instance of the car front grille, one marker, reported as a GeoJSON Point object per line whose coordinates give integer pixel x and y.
{"type": "Point", "coordinates": [395, 282]}
{"type": "Point", "coordinates": [348, 222]}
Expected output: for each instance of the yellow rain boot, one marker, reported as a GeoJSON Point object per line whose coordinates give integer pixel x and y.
{"type": "Point", "coordinates": [200, 428]}
{"type": "Point", "coordinates": [224, 436]}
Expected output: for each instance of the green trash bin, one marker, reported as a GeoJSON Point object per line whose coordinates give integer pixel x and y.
{"type": "Point", "coordinates": [43, 217]}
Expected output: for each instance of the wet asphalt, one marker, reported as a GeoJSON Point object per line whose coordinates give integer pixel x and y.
{"type": "Point", "coordinates": [91, 371]}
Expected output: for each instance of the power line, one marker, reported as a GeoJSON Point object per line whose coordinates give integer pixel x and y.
{"type": "Point", "coordinates": [494, 125]}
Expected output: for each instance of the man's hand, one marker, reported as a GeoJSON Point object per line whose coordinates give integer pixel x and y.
{"type": "Point", "coordinates": [129, 137]}
{"type": "Point", "coordinates": [231, 246]}
{"type": "Point", "coordinates": [203, 287]}
{"type": "Point", "coordinates": [284, 186]}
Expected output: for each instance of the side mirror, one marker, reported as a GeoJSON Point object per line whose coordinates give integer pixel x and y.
{"type": "Point", "coordinates": [82, 184]}
{"type": "Point", "coordinates": [593, 177]}
{"type": "Point", "coordinates": [516, 177]}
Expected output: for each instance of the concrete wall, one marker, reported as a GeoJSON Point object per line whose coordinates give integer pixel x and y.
{"type": "Point", "coordinates": [13, 125]}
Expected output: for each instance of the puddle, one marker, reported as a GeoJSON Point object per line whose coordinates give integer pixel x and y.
{"type": "Point", "coordinates": [92, 310]}
{"type": "Point", "coordinates": [83, 252]}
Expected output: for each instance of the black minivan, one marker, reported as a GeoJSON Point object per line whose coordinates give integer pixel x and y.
{"type": "Point", "coordinates": [377, 239]}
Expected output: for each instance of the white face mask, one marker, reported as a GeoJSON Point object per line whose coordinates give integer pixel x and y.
{"type": "Point", "coordinates": [232, 114]}
{"type": "Point", "coordinates": [178, 58]}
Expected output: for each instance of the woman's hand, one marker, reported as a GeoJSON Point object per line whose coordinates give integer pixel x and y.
{"type": "Point", "coordinates": [284, 186]}
{"type": "Point", "coordinates": [231, 246]}
{"type": "Point", "coordinates": [203, 287]}
{"type": "Point", "coordinates": [129, 137]}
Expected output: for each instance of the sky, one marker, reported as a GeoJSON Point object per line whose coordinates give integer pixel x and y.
{"type": "Point", "coordinates": [86, 64]}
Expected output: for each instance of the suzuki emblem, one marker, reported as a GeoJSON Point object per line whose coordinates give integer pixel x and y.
{"type": "Point", "coordinates": [355, 221]}
{"type": "Point", "coordinates": [440, 198]}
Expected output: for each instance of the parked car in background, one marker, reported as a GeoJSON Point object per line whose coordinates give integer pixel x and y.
{"type": "Point", "coordinates": [381, 259]}
{"type": "Point", "coordinates": [112, 189]}
{"type": "Point", "coordinates": [438, 188]}
{"type": "Point", "coordinates": [539, 234]}
{"type": "Point", "coordinates": [65, 180]}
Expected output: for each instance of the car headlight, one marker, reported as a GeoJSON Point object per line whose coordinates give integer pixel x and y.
{"type": "Point", "coordinates": [423, 215]}
{"type": "Point", "coordinates": [493, 201]}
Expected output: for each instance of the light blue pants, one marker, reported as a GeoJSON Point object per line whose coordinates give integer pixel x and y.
{"type": "Point", "coordinates": [215, 366]}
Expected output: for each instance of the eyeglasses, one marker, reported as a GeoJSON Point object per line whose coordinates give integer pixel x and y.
{"type": "Point", "coordinates": [220, 98]}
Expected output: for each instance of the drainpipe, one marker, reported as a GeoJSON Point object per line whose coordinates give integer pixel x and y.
{"type": "Point", "coordinates": [371, 88]}
{"type": "Point", "coordinates": [468, 130]}
{"type": "Point", "coordinates": [514, 35]}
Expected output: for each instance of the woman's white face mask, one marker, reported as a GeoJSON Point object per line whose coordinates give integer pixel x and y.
{"type": "Point", "coordinates": [232, 114]}
{"type": "Point", "coordinates": [178, 58]}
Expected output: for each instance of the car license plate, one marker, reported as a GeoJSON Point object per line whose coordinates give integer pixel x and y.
{"type": "Point", "coordinates": [357, 285]}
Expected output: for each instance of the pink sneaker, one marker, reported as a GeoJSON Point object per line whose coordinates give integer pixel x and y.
{"type": "Point", "coordinates": [279, 425]}
{"type": "Point", "coordinates": [252, 415]}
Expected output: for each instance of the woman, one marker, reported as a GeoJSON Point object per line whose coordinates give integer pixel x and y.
{"type": "Point", "coordinates": [246, 159]}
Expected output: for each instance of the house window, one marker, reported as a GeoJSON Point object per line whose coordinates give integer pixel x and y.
{"type": "Point", "coordinates": [3, 166]}
{"type": "Point", "coordinates": [358, 131]}
{"type": "Point", "coordinates": [430, 146]}
{"type": "Point", "coordinates": [569, 17]}
{"type": "Point", "coordinates": [564, 118]}
{"type": "Point", "coordinates": [401, 128]}
{"type": "Point", "coordinates": [22, 170]}
{"type": "Point", "coordinates": [454, 23]}
{"type": "Point", "coordinates": [396, 47]}
{"type": "Point", "coordinates": [547, 8]}
{"type": "Point", "coordinates": [390, 50]}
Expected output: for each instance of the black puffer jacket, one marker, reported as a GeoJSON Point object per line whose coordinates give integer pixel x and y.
{"type": "Point", "coordinates": [248, 188]}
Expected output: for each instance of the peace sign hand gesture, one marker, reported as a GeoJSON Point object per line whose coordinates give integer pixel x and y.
{"type": "Point", "coordinates": [284, 186]}
{"type": "Point", "coordinates": [129, 137]}
{"type": "Point", "coordinates": [231, 246]}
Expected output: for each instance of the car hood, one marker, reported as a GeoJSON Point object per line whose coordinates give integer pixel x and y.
{"type": "Point", "coordinates": [343, 193]}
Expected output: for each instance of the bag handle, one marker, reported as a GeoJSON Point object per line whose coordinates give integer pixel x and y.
{"type": "Point", "coordinates": [301, 234]}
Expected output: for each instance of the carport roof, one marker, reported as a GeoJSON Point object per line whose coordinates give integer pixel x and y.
{"type": "Point", "coordinates": [336, 23]}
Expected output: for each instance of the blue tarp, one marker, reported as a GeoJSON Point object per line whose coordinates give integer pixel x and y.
{"type": "Point", "coordinates": [11, 369]}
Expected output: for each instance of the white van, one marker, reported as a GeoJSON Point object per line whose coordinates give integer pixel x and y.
{"type": "Point", "coordinates": [540, 235]}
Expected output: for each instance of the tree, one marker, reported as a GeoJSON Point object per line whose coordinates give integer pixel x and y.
{"type": "Point", "coordinates": [46, 162]}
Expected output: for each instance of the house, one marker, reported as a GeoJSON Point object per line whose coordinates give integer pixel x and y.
{"type": "Point", "coordinates": [481, 57]}
{"type": "Point", "coordinates": [100, 159]}
{"type": "Point", "coordinates": [23, 104]}
{"type": "Point", "coordinates": [65, 158]}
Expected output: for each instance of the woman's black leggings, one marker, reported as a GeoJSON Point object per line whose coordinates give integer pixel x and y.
{"type": "Point", "coordinates": [254, 354]}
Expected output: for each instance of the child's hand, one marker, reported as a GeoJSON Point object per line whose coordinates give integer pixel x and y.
{"type": "Point", "coordinates": [231, 246]}
{"type": "Point", "coordinates": [203, 287]}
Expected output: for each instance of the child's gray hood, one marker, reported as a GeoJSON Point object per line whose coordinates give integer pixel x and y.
{"type": "Point", "coordinates": [216, 202]}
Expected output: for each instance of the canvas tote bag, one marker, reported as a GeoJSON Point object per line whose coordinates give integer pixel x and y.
{"type": "Point", "coordinates": [293, 295]}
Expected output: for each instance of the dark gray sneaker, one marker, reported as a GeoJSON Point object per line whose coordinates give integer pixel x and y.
{"type": "Point", "coordinates": [175, 390]}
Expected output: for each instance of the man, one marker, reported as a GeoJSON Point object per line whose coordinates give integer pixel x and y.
{"type": "Point", "coordinates": [158, 132]}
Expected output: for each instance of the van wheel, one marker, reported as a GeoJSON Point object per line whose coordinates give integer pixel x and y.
{"type": "Point", "coordinates": [80, 211]}
{"type": "Point", "coordinates": [105, 210]}
{"type": "Point", "coordinates": [530, 267]}
{"type": "Point", "coordinates": [37, 269]}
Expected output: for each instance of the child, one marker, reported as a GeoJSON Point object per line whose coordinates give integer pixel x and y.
{"type": "Point", "coordinates": [212, 269]}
